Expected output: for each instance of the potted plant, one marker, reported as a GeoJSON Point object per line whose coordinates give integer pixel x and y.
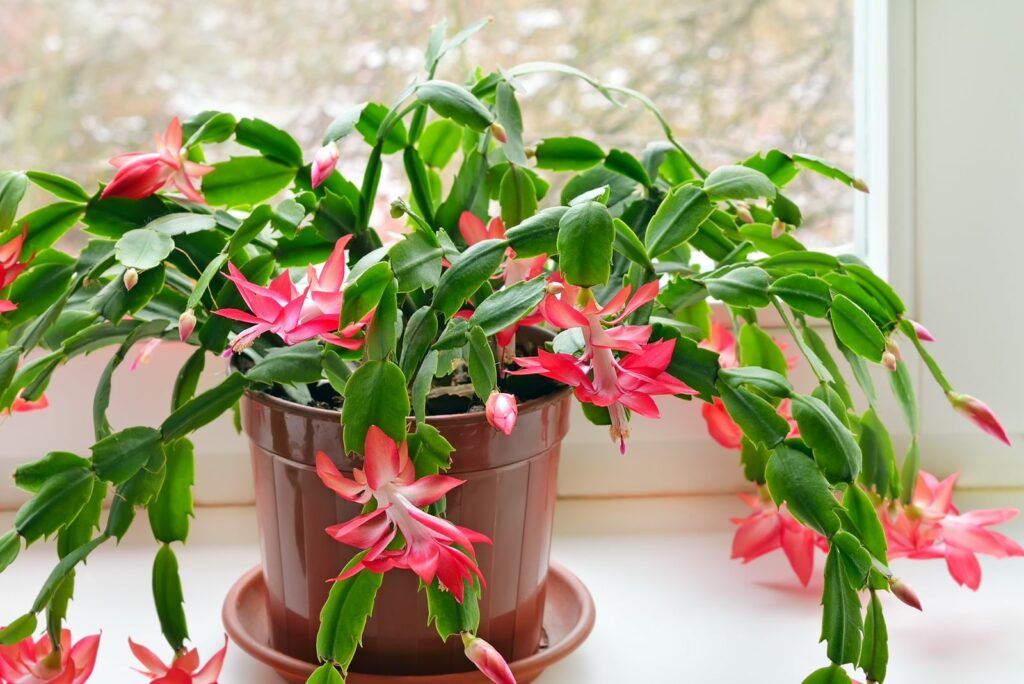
{"type": "Point", "coordinates": [409, 391]}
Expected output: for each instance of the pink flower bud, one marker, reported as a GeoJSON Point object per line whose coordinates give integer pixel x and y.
{"type": "Point", "coordinates": [502, 411]}
{"type": "Point", "coordinates": [922, 332]}
{"type": "Point", "coordinates": [498, 131]}
{"type": "Point", "coordinates": [859, 184]}
{"type": "Point", "coordinates": [130, 278]}
{"type": "Point", "coordinates": [487, 660]}
{"type": "Point", "coordinates": [186, 324]}
{"type": "Point", "coordinates": [324, 162]}
{"type": "Point", "coordinates": [778, 229]}
{"type": "Point", "coordinates": [904, 593]}
{"type": "Point", "coordinates": [889, 360]}
{"type": "Point", "coordinates": [980, 414]}
{"type": "Point", "coordinates": [743, 213]}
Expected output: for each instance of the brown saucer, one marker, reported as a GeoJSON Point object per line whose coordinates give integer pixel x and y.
{"type": "Point", "coordinates": [568, 621]}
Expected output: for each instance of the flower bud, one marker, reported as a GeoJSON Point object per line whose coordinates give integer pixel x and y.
{"type": "Point", "coordinates": [904, 593]}
{"type": "Point", "coordinates": [743, 213]}
{"type": "Point", "coordinates": [502, 411]}
{"type": "Point", "coordinates": [186, 324]}
{"type": "Point", "coordinates": [889, 360]}
{"type": "Point", "coordinates": [130, 278]}
{"type": "Point", "coordinates": [893, 348]}
{"type": "Point", "coordinates": [554, 288]}
{"type": "Point", "coordinates": [487, 660]}
{"type": "Point", "coordinates": [859, 184]}
{"type": "Point", "coordinates": [498, 131]}
{"type": "Point", "coordinates": [980, 414]}
{"type": "Point", "coordinates": [530, 152]}
{"type": "Point", "coordinates": [397, 209]}
{"type": "Point", "coordinates": [922, 332]}
{"type": "Point", "coordinates": [778, 229]}
{"type": "Point", "coordinates": [324, 161]}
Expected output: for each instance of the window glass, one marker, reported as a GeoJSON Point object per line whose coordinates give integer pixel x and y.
{"type": "Point", "coordinates": [82, 81]}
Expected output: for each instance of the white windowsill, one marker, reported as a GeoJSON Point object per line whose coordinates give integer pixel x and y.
{"type": "Point", "coordinates": [671, 606]}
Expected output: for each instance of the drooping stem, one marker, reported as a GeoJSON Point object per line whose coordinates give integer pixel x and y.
{"type": "Point", "coordinates": [820, 372]}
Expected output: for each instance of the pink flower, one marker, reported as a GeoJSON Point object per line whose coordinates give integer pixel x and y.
{"type": "Point", "coordinates": [184, 669]}
{"type": "Point", "coordinates": [140, 174]}
{"type": "Point", "coordinates": [512, 271]}
{"type": "Point", "coordinates": [598, 376]}
{"type": "Point", "coordinates": [769, 528]}
{"type": "Point", "coordinates": [11, 266]}
{"type": "Point", "coordinates": [722, 428]}
{"type": "Point", "coordinates": [324, 161]}
{"type": "Point", "coordinates": [932, 527]}
{"type": "Point", "coordinates": [292, 315]}
{"type": "Point", "coordinates": [487, 660]}
{"type": "Point", "coordinates": [146, 353]}
{"type": "Point", "coordinates": [24, 405]}
{"type": "Point", "coordinates": [35, 662]}
{"type": "Point", "coordinates": [922, 332]}
{"type": "Point", "coordinates": [433, 547]}
{"type": "Point", "coordinates": [502, 411]}
{"type": "Point", "coordinates": [980, 414]}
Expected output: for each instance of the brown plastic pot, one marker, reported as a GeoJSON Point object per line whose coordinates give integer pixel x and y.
{"type": "Point", "coordinates": [508, 495]}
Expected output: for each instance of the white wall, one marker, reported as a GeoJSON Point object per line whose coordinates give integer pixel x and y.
{"type": "Point", "coordinates": [969, 227]}
{"type": "Point", "coordinates": [947, 168]}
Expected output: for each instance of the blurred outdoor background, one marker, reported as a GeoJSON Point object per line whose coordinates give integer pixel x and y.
{"type": "Point", "coordinates": [82, 81]}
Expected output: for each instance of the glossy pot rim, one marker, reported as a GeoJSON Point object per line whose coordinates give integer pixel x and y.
{"type": "Point", "coordinates": [440, 420]}
{"type": "Point", "coordinates": [444, 419]}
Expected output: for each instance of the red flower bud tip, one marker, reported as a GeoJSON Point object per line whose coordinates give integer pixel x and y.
{"type": "Point", "coordinates": [778, 229]}
{"type": "Point", "coordinates": [743, 213]}
{"type": "Point", "coordinates": [859, 184]}
{"type": "Point", "coordinates": [186, 324]}
{"type": "Point", "coordinates": [904, 593]}
{"type": "Point", "coordinates": [131, 278]}
{"type": "Point", "coordinates": [487, 660]}
{"type": "Point", "coordinates": [324, 161]}
{"type": "Point", "coordinates": [922, 332]}
{"type": "Point", "coordinates": [502, 411]}
{"type": "Point", "coordinates": [498, 131]}
{"type": "Point", "coordinates": [980, 414]}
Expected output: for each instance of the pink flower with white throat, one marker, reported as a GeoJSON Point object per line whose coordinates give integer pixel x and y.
{"type": "Point", "coordinates": [487, 659]}
{"type": "Point", "coordinates": [324, 161]}
{"type": "Point", "coordinates": [183, 669]}
{"type": "Point", "coordinates": [618, 383]}
{"type": "Point", "coordinates": [434, 547]}
{"type": "Point", "coordinates": [932, 527]}
{"type": "Point", "coordinates": [980, 414]}
{"type": "Point", "coordinates": [502, 411]}
{"type": "Point", "coordinates": [35, 662]}
{"type": "Point", "coordinates": [292, 315]}
{"type": "Point", "coordinates": [141, 174]}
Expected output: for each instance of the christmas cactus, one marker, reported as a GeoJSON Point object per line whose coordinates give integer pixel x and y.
{"type": "Point", "coordinates": [418, 308]}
